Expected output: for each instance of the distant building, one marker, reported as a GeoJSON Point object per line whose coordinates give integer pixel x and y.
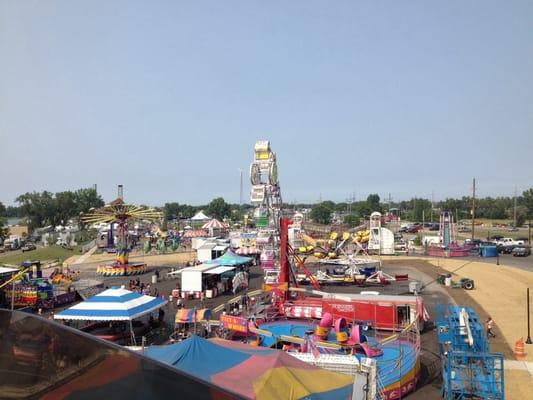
{"type": "Point", "coordinates": [19, 230]}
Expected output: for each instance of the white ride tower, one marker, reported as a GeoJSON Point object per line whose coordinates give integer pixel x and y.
{"type": "Point", "coordinates": [265, 193]}
{"type": "Point", "coordinates": [381, 239]}
{"type": "Point", "coordinates": [266, 196]}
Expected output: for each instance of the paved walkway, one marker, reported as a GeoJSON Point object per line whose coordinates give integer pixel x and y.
{"type": "Point", "coordinates": [519, 365]}
{"type": "Point", "coordinates": [81, 259]}
{"type": "Point", "coordinates": [499, 290]}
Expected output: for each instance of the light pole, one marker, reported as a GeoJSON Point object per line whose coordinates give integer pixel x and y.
{"type": "Point", "coordinates": [528, 340]}
{"type": "Point", "coordinates": [240, 195]}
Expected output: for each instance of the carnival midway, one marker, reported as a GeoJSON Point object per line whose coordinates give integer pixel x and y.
{"type": "Point", "coordinates": [272, 308]}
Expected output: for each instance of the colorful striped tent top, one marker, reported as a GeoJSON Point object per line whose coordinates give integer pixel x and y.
{"type": "Point", "coordinates": [191, 315]}
{"type": "Point", "coordinates": [214, 224]}
{"type": "Point", "coordinates": [253, 372]}
{"type": "Point", "coordinates": [115, 304]}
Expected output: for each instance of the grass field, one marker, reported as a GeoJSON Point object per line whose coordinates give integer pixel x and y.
{"type": "Point", "coordinates": [42, 254]}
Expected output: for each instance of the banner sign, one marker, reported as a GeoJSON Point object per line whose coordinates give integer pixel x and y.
{"type": "Point", "coordinates": [234, 323]}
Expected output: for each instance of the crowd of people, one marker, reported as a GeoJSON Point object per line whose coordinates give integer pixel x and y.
{"type": "Point", "coordinates": [135, 285]}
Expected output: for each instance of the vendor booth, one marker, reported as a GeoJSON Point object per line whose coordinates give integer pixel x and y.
{"type": "Point", "coordinates": [114, 305]}
{"type": "Point", "coordinates": [212, 279]}
{"type": "Point", "coordinates": [190, 321]}
{"type": "Point", "coordinates": [230, 258]}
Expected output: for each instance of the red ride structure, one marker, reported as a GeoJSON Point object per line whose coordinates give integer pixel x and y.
{"type": "Point", "coordinates": [388, 312]}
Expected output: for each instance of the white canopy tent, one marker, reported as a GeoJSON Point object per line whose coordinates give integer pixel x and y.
{"type": "Point", "coordinates": [200, 216]}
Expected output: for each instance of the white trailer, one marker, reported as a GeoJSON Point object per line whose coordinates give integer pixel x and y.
{"type": "Point", "coordinates": [192, 278]}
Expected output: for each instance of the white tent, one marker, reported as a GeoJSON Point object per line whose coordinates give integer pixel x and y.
{"type": "Point", "coordinates": [200, 216]}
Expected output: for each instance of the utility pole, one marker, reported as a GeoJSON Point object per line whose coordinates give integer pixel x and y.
{"type": "Point", "coordinates": [432, 202]}
{"type": "Point", "coordinates": [473, 206]}
{"type": "Point", "coordinates": [240, 196]}
{"type": "Point", "coordinates": [350, 202]}
{"type": "Point", "coordinates": [514, 213]}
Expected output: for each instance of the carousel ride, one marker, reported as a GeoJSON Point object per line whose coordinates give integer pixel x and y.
{"type": "Point", "coordinates": [121, 213]}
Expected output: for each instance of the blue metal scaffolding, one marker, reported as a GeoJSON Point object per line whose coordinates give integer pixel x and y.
{"type": "Point", "coordinates": [469, 370]}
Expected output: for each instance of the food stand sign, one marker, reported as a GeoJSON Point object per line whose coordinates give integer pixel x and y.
{"type": "Point", "coordinates": [234, 323]}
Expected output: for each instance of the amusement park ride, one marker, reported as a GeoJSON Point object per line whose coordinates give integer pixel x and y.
{"type": "Point", "coordinates": [447, 246]}
{"type": "Point", "coordinates": [341, 322]}
{"type": "Point", "coordinates": [28, 287]}
{"type": "Point", "coordinates": [292, 309]}
{"type": "Point", "coordinates": [470, 370]}
{"type": "Point", "coordinates": [121, 213]}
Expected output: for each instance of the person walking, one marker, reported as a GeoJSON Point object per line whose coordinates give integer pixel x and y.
{"type": "Point", "coordinates": [202, 299]}
{"type": "Point", "coordinates": [490, 323]}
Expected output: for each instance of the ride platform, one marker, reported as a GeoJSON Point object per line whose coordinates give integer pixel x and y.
{"type": "Point", "coordinates": [117, 269]}
{"type": "Point", "coordinates": [398, 367]}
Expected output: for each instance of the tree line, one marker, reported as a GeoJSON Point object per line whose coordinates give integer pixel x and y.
{"type": "Point", "coordinates": [45, 208]}
{"type": "Point", "coordinates": [419, 209]}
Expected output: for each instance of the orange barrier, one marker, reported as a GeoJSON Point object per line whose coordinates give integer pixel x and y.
{"type": "Point", "coordinates": [519, 349]}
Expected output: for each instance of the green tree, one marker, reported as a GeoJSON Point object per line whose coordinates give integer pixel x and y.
{"type": "Point", "coordinates": [362, 209]}
{"type": "Point", "coordinates": [65, 207]}
{"type": "Point", "coordinates": [40, 208]}
{"type": "Point", "coordinates": [321, 213]}
{"type": "Point", "coordinates": [421, 209]}
{"type": "Point", "coordinates": [218, 208]}
{"type": "Point", "coordinates": [372, 202]}
{"type": "Point", "coordinates": [12, 211]}
{"type": "Point", "coordinates": [3, 229]}
{"type": "Point", "coordinates": [527, 201]}
{"type": "Point", "coordinates": [48, 209]}
{"type": "Point", "coordinates": [351, 220]}
{"type": "Point", "coordinates": [85, 199]}
{"type": "Point", "coordinates": [171, 210]}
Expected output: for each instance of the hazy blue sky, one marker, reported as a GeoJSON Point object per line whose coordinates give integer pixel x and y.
{"type": "Point", "coordinates": [168, 98]}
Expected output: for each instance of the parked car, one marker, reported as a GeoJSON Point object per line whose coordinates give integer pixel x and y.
{"type": "Point", "coordinates": [400, 246]}
{"type": "Point", "coordinates": [398, 236]}
{"type": "Point", "coordinates": [414, 229]}
{"type": "Point", "coordinates": [521, 251]}
{"type": "Point", "coordinates": [434, 227]}
{"type": "Point", "coordinates": [28, 247]}
{"type": "Point", "coordinates": [473, 242]}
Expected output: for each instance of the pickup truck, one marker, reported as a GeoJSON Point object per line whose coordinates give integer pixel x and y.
{"type": "Point", "coordinates": [506, 245]}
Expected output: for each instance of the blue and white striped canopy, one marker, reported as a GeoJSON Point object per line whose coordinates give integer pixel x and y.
{"type": "Point", "coordinates": [115, 304]}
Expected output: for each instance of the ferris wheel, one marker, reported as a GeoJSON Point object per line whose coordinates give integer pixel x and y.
{"type": "Point", "coordinates": [265, 193]}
